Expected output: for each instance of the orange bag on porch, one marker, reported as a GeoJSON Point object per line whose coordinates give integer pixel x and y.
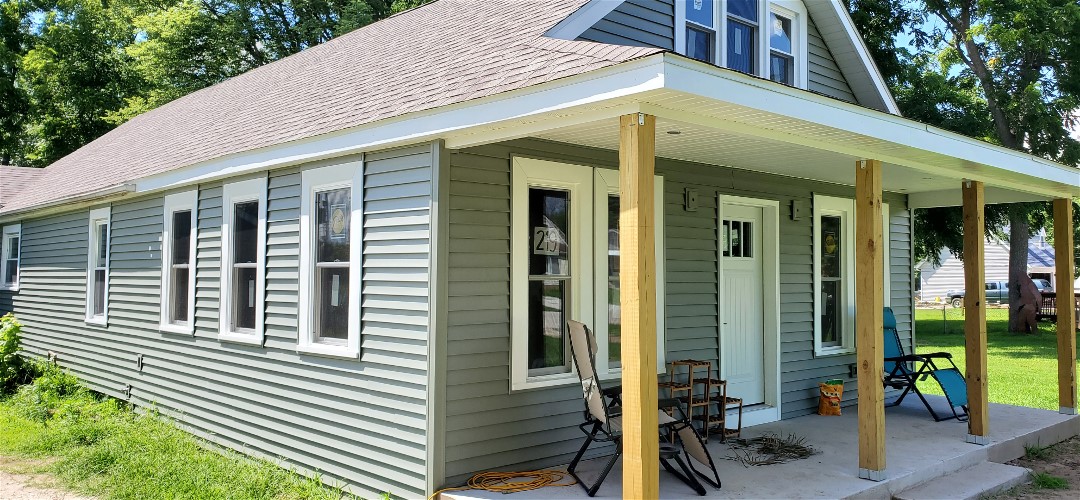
{"type": "Point", "coordinates": [831, 393]}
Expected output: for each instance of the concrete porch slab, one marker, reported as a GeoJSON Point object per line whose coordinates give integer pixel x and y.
{"type": "Point", "coordinates": [918, 450]}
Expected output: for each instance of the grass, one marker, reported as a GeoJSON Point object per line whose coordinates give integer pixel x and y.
{"type": "Point", "coordinates": [1021, 369]}
{"type": "Point", "coordinates": [99, 446]}
{"type": "Point", "coordinates": [1042, 480]}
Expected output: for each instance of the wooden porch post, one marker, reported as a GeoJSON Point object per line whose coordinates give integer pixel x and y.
{"type": "Point", "coordinates": [1066, 313]}
{"type": "Point", "coordinates": [869, 318]}
{"type": "Point", "coordinates": [637, 142]}
{"type": "Point", "coordinates": [975, 313]}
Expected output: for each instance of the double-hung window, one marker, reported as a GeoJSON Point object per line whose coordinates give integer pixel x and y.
{"type": "Point", "coordinates": [243, 250]}
{"type": "Point", "coordinates": [765, 38]}
{"type": "Point", "coordinates": [330, 260]}
{"type": "Point", "coordinates": [178, 263]}
{"type": "Point", "coordinates": [9, 257]}
{"type": "Point", "coordinates": [834, 273]}
{"type": "Point", "coordinates": [565, 265]}
{"type": "Point", "coordinates": [97, 267]}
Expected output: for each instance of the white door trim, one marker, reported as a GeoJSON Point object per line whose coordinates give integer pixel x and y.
{"type": "Point", "coordinates": [770, 287]}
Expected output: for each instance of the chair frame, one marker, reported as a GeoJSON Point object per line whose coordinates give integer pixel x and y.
{"type": "Point", "coordinates": [909, 368]}
{"type": "Point", "coordinates": [599, 429]}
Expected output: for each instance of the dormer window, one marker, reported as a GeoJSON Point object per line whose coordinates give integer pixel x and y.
{"type": "Point", "coordinates": [758, 37]}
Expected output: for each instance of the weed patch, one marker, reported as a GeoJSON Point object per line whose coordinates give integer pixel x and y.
{"type": "Point", "coordinates": [1046, 481]}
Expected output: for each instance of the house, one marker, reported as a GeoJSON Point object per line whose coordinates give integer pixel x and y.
{"type": "Point", "coordinates": [359, 258]}
{"type": "Point", "coordinates": [934, 281]}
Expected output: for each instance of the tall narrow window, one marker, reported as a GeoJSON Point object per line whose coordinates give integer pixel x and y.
{"type": "Point", "coordinates": [550, 280]}
{"type": "Point", "coordinates": [180, 266]}
{"type": "Point", "coordinates": [243, 248]}
{"type": "Point", "coordinates": [332, 259]}
{"type": "Point", "coordinates": [742, 24]}
{"type": "Point", "coordinates": [178, 263]}
{"type": "Point", "coordinates": [781, 55]}
{"type": "Point", "coordinates": [330, 256]}
{"type": "Point", "coordinates": [9, 257]}
{"type": "Point", "coordinates": [700, 29]}
{"type": "Point", "coordinates": [97, 267]}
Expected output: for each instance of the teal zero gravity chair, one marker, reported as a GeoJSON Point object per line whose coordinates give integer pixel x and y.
{"type": "Point", "coordinates": [903, 370]}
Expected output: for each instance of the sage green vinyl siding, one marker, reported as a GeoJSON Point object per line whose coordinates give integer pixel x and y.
{"type": "Point", "coordinates": [361, 421]}
{"type": "Point", "coordinates": [641, 23]}
{"type": "Point", "coordinates": [490, 427]}
{"type": "Point", "coordinates": [823, 74]}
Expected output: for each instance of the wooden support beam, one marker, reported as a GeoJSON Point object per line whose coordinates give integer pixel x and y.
{"type": "Point", "coordinates": [975, 313]}
{"type": "Point", "coordinates": [637, 277]}
{"type": "Point", "coordinates": [1066, 313]}
{"type": "Point", "coordinates": [869, 318]}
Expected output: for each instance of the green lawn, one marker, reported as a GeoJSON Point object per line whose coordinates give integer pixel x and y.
{"type": "Point", "coordinates": [99, 446]}
{"type": "Point", "coordinates": [1021, 369]}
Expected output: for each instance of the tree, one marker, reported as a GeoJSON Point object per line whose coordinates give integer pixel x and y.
{"type": "Point", "coordinates": [998, 70]}
{"type": "Point", "coordinates": [14, 39]}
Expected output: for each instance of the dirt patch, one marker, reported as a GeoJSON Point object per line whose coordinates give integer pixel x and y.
{"type": "Point", "coordinates": [1061, 460]}
{"type": "Point", "coordinates": [22, 480]}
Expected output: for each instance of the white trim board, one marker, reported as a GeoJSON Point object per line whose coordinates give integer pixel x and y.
{"type": "Point", "coordinates": [582, 19]}
{"type": "Point", "coordinates": [233, 193]}
{"type": "Point", "coordinates": [770, 273]}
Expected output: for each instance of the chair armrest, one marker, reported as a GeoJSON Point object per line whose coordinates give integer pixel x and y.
{"type": "Point", "coordinates": [906, 358]}
{"type": "Point", "coordinates": [944, 355]}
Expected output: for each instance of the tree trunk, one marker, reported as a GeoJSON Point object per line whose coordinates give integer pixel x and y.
{"type": "Point", "coordinates": [1019, 234]}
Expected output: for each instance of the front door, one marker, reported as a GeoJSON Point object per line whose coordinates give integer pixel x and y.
{"type": "Point", "coordinates": [742, 333]}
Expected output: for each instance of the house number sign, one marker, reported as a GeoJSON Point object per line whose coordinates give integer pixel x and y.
{"type": "Point", "coordinates": [545, 241]}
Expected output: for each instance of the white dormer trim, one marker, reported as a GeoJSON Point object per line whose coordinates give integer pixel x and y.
{"type": "Point", "coordinates": [582, 19]}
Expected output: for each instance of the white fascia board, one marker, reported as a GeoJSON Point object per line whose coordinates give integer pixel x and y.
{"type": "Point", "coordinates": [692, 77]}
{"type": "Point", "coordinates": [592, 88]}
{"type": "Point", "coordinates": [582, 19]}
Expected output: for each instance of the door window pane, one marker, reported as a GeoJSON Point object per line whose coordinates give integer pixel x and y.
{"type": "Point", "coordinates": [332, 299]}
{"type": "Point", "coordinates": [244, 291]}
{"type": "Point", "coordinates": [547, 326]}
{"type": "Point", "coordinates": [334, 210]}
{"type": "Point", "coordinates": [740, 46]}
{"type": "Point", "coordinates": [699, 44]}
{"type": "Point", "coordinates": [549, 223]}
{"type": "Point", "coordinates": [245, 232]}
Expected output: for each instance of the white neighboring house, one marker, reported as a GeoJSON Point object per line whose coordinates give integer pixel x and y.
{"type": "Point", "coordinates": [935, 281]}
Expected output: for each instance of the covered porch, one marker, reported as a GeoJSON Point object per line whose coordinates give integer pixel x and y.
{"type": "Point", "coordinates": [702, 116]}
{"type": "Point", "coordinates": [920, 451]}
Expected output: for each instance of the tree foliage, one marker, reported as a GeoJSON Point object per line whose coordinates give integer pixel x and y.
{"type": "Point", "coordinates": [71, 70]}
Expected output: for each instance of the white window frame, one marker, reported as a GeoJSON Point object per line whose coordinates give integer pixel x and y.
{"type": "Point", "coordinates": [845, 209]}
{"type": "Point", "coordinates": [234, 193]}
{"type": "Point", "coordinates": [588, 187]}
{"type": "Point", "coordinates": [5, 252]}
{"type": "Point", "coordinates": [98, 216]}
{"type": "Point", "coordinates": [606, 183]}
{"type": "Point", "coordinates": [315, 180]}
{"type": "Point", "coordinates": [796, 11]}
{"type": "Point", "coordinates": [178, 202]}
{"type": "Point", "coordinates": [789, 8]}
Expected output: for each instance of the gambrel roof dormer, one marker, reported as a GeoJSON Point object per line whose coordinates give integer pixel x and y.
{"type": "Point", "coordinates": [809, 45]}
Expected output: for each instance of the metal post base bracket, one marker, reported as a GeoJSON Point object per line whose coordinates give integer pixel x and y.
{"type": "Point", "coordinates": [1065, 410]}
{"type": "Point", "coordinates": [979, 440]}
{"type": "Point", "coordinates": [873, 475]}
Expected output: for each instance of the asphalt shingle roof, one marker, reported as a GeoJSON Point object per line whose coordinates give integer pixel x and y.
{"type": "Point", "coordinates": [443, 53]}
{"type": "Point", "coordinates": [15, 179]}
